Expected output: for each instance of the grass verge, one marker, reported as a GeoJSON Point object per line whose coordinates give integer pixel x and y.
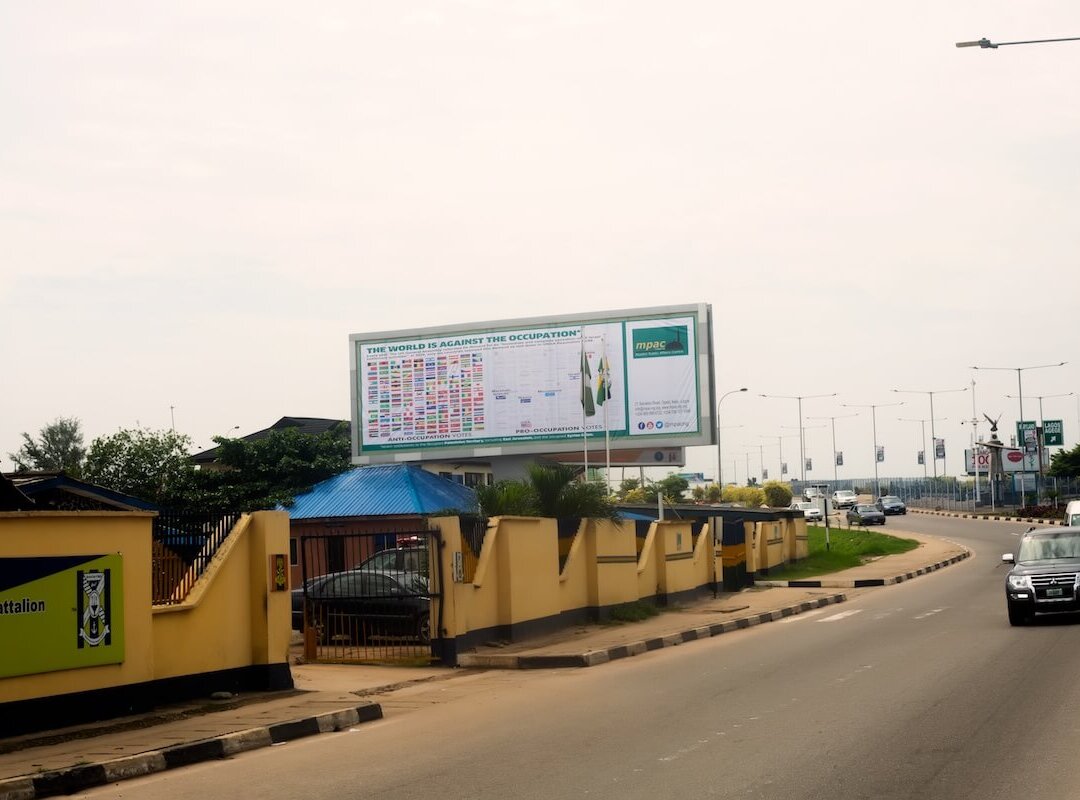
{"type": "Point", "coordinates": [849, 548]}
{"type": "Point", "coordinates": [632, 612]}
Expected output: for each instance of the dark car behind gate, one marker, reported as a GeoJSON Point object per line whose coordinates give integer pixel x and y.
{"type": "Point", "coordinates": [369, 597]}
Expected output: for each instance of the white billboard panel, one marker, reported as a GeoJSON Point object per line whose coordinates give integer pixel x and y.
{"type": "Point", "coordinates": [643, 377]}
{"type": "Point", "coordinates": [1011, 461]}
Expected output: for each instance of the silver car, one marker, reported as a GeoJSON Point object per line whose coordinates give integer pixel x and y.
{"type": "Point", "coordinates": [811, 511]}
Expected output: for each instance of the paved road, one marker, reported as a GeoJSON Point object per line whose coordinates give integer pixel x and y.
{"type": "Point", "coordinates": [921, 690]}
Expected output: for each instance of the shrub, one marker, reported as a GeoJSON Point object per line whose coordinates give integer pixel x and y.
{"type": "Point", "coordinates": [1036, 511]}
{"type": "Point", "coordinates": [749, 496]}
{"type": "Point", "coordinates": [777, 494]}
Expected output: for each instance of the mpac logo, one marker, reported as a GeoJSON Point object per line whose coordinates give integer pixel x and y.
{"type": "Point", "coordinates": [671, 340]}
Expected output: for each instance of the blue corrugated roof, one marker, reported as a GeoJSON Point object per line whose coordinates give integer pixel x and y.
{"type": "Point", "coordinates": [380, 491]}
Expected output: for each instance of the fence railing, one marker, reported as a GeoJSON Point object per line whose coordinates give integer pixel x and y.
{"type": "Point", "coordinates": [184, 544]}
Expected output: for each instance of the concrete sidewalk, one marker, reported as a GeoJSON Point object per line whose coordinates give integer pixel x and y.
{"type": "Point", "coordinates": [332, 697]}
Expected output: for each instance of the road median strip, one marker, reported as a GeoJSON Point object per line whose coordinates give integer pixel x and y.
{"type": "Point", "coordinates": [862, 583]}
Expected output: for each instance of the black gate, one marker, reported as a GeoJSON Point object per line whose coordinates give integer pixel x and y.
{"type": "Point", "coordinates": [369, 597]}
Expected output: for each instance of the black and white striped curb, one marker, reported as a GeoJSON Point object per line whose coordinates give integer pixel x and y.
{"type": "Point", "coordinates": [86, 776]}
{"type": "Point", "coordinates": [592, 658]}
{"type": "Point", "coordinates": [861, 583]}
{"type": "Point", "coordinates": [985, 517]}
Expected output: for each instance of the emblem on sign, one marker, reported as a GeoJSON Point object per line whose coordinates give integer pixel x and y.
{"type": "Point", "coordinates": [94, 611]}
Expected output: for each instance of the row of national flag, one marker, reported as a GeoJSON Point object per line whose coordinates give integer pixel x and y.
{"type": "Point", "coordinates": [603, 384]}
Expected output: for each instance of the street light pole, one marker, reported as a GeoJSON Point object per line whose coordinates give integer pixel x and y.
{"type": "Point", "coordinates": [719, 454]}
{"type": "Point", "coordinates": [802, 438]}
{"type": "Point", "coordinates": [780, 446]}
{"type": "Point", "coordinates": [873, 416]}
{"type": "Point", "coordinates": [836, 476]}
{"type": "Point", "coordinates": [933, 434]}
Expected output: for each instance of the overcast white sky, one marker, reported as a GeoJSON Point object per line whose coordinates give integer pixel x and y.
{"type": "Point", "coordinates": [199, 202]}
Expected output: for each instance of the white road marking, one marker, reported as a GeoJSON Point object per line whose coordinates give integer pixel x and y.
{"type": "Point", "coordinates": [841, 615]}
{"type": "Point", "coordinates": [930, 613]}
{"type": "Point", "coordinates": [804, 615]}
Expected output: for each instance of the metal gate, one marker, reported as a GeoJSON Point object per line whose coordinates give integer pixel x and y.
{"type": "Point", "coordinates": [369, 597]}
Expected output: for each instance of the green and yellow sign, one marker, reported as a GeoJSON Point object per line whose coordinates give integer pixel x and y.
{"type": "Point", "coordinates": [60, 612]}
{"type": "Point", "coordinates": [671, 340]}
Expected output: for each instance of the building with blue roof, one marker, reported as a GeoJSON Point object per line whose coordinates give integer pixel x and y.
{"type": "Point", "coordinates": [346, 518]}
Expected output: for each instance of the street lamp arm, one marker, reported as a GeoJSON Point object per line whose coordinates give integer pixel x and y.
{"type": "Point", "coordinates": [1017, 369]}
{"type": "Point", "coordinates": [986, 44]}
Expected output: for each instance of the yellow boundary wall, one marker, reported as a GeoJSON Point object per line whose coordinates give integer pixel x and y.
{"type": "Point", "coordinates": [230, 620]}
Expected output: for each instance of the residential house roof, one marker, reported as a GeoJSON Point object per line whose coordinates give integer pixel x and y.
{"type": "Point", "coordinates": [52, 491]}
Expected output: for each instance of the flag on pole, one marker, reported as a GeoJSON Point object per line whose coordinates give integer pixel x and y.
{"type": "Point", "coordinates": [783, 468]}
{"type": "Point", "coordinates": [881, 453]}
{"type": "Point", "coordinates": [922, 457]}
{"type": "Point", "coordinates": [839, 458]}
{"type": "Point", "coordinates": [809, 465]}
{"type": "Point", "coordinates": [586, 386]}
{"type": "Point", "coordinates": [603, 381]}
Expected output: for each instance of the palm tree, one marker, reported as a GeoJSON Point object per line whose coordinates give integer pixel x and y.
{"type": "Point", "coordinates": [551, 490]}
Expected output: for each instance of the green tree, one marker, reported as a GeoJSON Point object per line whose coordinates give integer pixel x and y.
{"type": "Point", "coordinates": [507, 498]}
{"type": "Point", "coordinates": [57, 448]}
{"type": "Point", "coordinates": [777, 494]}
{"type": "Point", "coordinates": [626, 486]}
{"type": "Point", "coordinates": [560, 495]}
{"type": "Point", "coordinates": [1065, 463]}
{"type": "Point", "coordinates": [265, 472]}
{"type": "Point", "coordinates": [145, 463]}
{"type": "Point", "coordinates": [551, 490]}
{"type": "Point", "coordinates": [673, 488]}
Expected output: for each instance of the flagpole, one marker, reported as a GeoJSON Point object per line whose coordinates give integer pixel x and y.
{"type": "Point", "coordinates": [607, 430]}
{"type": "Point", "coordinates": [584, 388]}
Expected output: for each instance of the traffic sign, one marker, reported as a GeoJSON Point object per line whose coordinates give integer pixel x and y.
{"type": "Point", "coordinates": [1053, 433]}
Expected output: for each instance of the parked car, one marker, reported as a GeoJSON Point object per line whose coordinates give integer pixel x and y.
{"type": "Point", "coordinates": [844, 498]}
{"type": "Point", "coordinates": [399, 559]}
{"type": "Point", "coordinates": [810, 510]}
{"type": "Point", "coordinates": [863, 514]}
{"type": "Point", "coordinates": [359, 605]}
{"type": "Point", "coordinates": [811, 493]}
{"type": "Point", "coordinates": [1043, 579]}
{"type": "Point", "coordinates": [890, 504]}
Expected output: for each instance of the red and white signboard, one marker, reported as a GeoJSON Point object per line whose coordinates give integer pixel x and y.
{"type": "Point", "coordinates": [1011, 461]}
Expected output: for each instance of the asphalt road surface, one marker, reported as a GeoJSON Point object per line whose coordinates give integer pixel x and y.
{"type": "Point", "coordinates": [921, 690]}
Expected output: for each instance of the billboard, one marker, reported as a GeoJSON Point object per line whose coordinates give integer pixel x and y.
{"type": "Point", "coordinates": [641, 378]}
{"type": "Point", "coordinates": [60, 612]}
{"type": "Point", "coordinates": [1012, 460]}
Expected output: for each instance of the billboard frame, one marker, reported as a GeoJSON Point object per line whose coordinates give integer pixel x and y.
{"type": "Point", "coordinates": [704, 371]}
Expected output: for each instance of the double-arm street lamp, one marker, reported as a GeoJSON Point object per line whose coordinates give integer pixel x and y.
{"type": "Point", "coordinates": [1019, 381]}
{"type": "Point", "coordinates": [933, 435]}
{"type": "Point", "coordinates": [836, 475]}
{"type": "Point", "coordinates": [873, 418]}
{"type": "Point", "coordinates": [719, 454]}
{"type": "Point", "coordinates": [802, 437]}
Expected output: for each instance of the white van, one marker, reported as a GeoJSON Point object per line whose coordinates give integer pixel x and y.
{"type": "Point", "coordinates": [1072, 513]}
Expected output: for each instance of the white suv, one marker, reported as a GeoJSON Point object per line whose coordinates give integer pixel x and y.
{"type": "Point", "coordinates": [844, 498]}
